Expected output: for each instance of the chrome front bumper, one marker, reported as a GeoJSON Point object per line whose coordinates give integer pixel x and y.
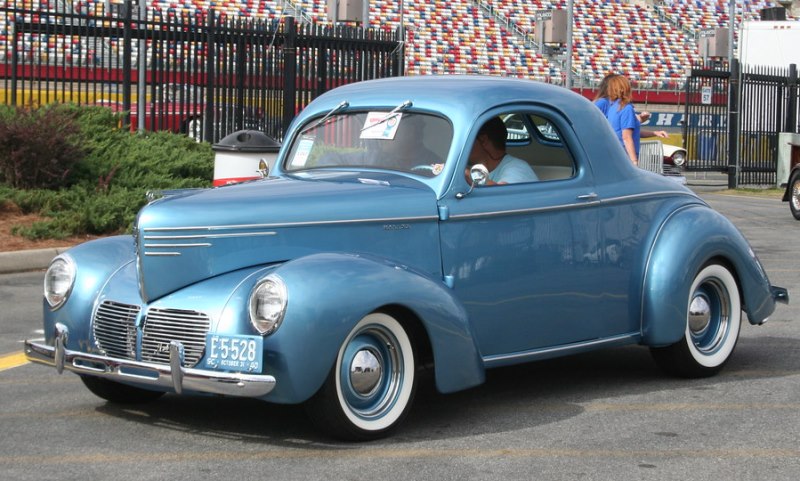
{"type": "Point", "coordinates": [172, 375]}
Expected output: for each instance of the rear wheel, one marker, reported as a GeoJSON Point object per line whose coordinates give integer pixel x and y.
{"type": "Point", "coordinates": [794, 198]}
{"type": "Point", "coordinates": [372, 384]}
{"type": "Point", "coordinates": [713, 319]}
{"type": "Point", "coordinates": [119, 393]}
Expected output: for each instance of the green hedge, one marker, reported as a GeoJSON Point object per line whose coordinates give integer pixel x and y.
{"type": "Point", "coordinates": [78, 168]}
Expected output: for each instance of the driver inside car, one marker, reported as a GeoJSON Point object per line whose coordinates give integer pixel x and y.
{"type": "Point", "coordinates": [489, 149]}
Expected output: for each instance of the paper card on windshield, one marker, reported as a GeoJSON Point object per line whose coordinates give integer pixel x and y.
{"type": "Point", "coordinates": [303, 151]}
{"type": "Point", "coordinates": [381, 125]}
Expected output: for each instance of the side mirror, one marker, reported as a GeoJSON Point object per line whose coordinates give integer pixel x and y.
{"type": "Point", "coordinates": [263, 168]}
{"type": "Point", "coordinates": [478, 174]}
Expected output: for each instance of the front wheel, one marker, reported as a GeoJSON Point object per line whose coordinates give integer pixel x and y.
{"type": "Point", "coordinates": [372, 384]}
{"type": "Point", "coordinates": [794, 195]}
{"type": "Point", "coordinates": [119, 393]}
{"type": "Point", "coordinates": [713, 319]}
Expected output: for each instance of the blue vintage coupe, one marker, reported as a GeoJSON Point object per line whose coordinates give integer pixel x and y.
{"type": "Point", "coordinates": [374, 248]}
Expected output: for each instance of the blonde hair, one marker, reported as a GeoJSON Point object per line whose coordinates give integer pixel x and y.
{"type": "Point", "coordinates": [619, 88]}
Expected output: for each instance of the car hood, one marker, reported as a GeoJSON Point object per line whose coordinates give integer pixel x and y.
{"type": "Point", "coordinates": [188, 236]}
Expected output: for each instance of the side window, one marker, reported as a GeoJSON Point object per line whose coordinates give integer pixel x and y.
{"type": "Point", "coordinates": [536, 140]}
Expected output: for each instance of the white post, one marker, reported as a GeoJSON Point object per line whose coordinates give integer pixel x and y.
{"type": "Point", "coordinates": [141, 88]}
{"type": "Point", "coordinates": [570, 19]}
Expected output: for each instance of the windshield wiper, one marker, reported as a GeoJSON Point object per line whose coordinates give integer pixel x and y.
{"type": "Point", "coordinates": [390, 115]}
{"type": "Point", "coordinates": [342, 105]}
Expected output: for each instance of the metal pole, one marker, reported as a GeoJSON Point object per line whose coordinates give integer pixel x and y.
{"type": "Point", "coordinates": [732, 15]}
{"type": "Point", "coordinates": [568, 83]}
{"type": "Point", "coordinates": [142, 65]}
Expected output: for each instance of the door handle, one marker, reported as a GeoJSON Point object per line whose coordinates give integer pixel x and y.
{"type": "Point", "coordinates": [590, 196]}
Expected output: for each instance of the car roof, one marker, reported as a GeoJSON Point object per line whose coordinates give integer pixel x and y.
{"type": "Point", "coordinates": [465, 98]}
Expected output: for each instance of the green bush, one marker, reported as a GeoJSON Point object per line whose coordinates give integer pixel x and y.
{"type": "Point", "coordinates": [105, 189]}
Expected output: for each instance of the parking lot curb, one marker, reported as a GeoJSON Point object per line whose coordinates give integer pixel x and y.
{"type": "Point", "coordinates": [28, 260]}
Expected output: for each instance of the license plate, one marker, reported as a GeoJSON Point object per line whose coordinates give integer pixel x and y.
{"type": "Point", "coordinates": [234, 353]}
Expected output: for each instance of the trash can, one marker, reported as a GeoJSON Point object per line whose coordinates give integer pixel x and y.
{"type": "Point", "coordinates": [237, 156]}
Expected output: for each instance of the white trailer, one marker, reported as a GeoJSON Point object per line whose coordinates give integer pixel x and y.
{"type": "Point", "coordinates": [769, 43]}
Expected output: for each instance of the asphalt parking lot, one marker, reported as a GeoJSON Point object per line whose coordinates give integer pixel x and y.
{"type": "Point", "coordinates": [609, 415]}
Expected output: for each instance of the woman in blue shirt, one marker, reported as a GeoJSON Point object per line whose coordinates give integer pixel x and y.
{"type": "Point", "coordinates": [622, 116]}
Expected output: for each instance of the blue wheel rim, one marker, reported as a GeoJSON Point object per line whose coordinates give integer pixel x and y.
{"type": "Point", "coordinates": [380, 345]}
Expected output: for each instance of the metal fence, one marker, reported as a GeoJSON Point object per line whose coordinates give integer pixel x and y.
{"type": "Point", "coordinates": [767, 106]}
{"type": "Point", "coordinates": [201, 73]}
{"type": "Point", "coordinates": [733, 118]}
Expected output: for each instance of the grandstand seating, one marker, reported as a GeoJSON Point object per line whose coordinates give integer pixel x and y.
{"type": "Point", "coordinates": [653, 42]}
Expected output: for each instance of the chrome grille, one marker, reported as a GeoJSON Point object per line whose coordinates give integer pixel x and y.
{"type": "Point", "coordinates": [161, 326]}
{"type": "Point", "coordinates": [115, 329]}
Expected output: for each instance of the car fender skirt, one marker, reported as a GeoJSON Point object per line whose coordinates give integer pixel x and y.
{"type": "Point", "coordinates": [329, 293]}
{"type": "Point", "coordinates": [688, 240]}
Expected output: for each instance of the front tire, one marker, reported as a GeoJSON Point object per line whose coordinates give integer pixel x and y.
{"type": "Point", "coordinates": [794, 195]}
{"type": "Point", "coordinates": [371, 386]}
{"type": "Point", "coordinates": [118, 393]}
{"type": "Point", "coordinates": [713, 321]}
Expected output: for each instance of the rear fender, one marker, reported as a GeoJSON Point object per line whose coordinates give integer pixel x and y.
{"type": "Point", "coordinates": [329, 293]}
{"type": "Point", "coordinates": [689, 239]}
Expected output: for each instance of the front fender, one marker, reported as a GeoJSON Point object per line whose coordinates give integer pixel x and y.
{"type": "Point", "coordinates": [329, 293]}
{"type": "Point", "coordinates": [688, 239]}
{"type": "Point", "coordinates": [96, 262]}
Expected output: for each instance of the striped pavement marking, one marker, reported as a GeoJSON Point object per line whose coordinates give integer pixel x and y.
{"type": "Point", "coordinates": [10, 361]}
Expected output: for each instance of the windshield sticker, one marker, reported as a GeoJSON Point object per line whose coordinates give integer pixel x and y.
{"type": "Point", "coordinates": [303, 151]}
{"type": "Point", "coordinates": [381, 125]}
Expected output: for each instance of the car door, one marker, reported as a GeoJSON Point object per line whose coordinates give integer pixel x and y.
{"type": "Point", "coordinates": [527, 260]}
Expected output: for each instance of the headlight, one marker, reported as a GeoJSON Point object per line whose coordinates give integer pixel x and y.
{"type": "Point", "coordinates": [58, 281]}
{"type": "Point", "coordinates": [679, 158]}
{"type": "Point", "coordinates": [268, 304]}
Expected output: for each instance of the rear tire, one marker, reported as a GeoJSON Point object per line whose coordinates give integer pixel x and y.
{"type": "Point", "coordinates": [794, 195]}
{"type": "Point", "coordinates": [713, 320]}
{"type": "Point", "coordinates": [371, 386]}
{"type": "Point", "coordinates": [118, 393]}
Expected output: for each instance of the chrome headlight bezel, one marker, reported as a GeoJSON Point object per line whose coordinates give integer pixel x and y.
{"type": "Point", "coordinates": [679, 158]}
{"type": "Point", "coordinates": [267, 304]}
{"type": "Point", "coordinates": [59, 281]}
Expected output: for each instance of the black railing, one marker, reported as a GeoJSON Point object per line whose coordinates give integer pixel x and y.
{"type": "Point", "coordinates": [733, 120]}
{"type": "Point", "coordinates": [201, 73]}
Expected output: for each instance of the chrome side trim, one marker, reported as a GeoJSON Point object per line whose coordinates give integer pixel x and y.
{"type": "Point", "coordinates": [167, 376]}
{"type": "Point", "coordinates": [575, 205]}
{"type": "Point", "coordinates": [207, 236]}
{"type": "Point", "coordinates": [557, 351]}
{"type": "Point", "coordinates": [288, 224]}
{"type": "Point", "coordinates": [177, 246]}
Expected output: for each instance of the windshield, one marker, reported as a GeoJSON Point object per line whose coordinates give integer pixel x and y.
{"type": "Point", "coordinates": [400, 141]}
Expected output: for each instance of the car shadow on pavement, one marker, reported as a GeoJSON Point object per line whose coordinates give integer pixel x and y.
{"type": "Point", "coordinates": [512, 398]}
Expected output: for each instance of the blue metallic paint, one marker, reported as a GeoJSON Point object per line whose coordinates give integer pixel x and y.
{"type": "Point", "coordinates": [96, 262]}
{"type": "Point", "coordinates": [705, 235]}
{"type": "Point", "coordinates": [316, 325]}
{"type": "Point", "coordinates": [500, 276]}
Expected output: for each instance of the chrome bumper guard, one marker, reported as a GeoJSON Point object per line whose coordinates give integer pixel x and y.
{"type": "Point", "coordinates": [780, 294]}
{"type": "Point", "coordinates": [172, 375]}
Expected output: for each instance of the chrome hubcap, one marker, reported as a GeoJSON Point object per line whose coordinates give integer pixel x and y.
{"type": "Point", "coordinates": [796, 195]}
{"type": "Point", "coordinates": [709, 316]}
{"type": "Point", "coordinates": [365, 372]}
{"type": "Point", "coordinates": [699, 315]}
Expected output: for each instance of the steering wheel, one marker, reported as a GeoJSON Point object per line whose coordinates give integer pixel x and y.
{"type": "Point", "coordinates": [423, 167]}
